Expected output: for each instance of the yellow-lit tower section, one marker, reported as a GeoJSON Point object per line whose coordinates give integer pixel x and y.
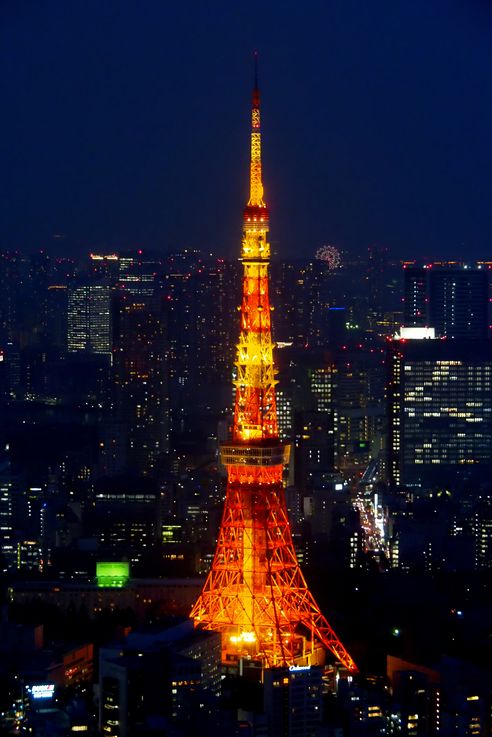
{"type": "Point", "coordinates": [255, 593]}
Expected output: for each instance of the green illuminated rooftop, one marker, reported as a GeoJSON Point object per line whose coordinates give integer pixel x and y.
{"type": "Point", "coordinates": [112, 574]}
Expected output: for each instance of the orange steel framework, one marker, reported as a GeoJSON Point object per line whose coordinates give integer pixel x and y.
{"type": "Point", "coordinates": [255, 593]}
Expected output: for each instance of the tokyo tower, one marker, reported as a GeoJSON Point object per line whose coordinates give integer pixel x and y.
{"type": "Point", "coordinates": [255, 594]}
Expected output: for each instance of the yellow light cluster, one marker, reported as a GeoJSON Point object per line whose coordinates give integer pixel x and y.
{"type": "Point", "coordinates": [256, 184]}
{"type": "Point", "coordinates": [246, 637]}
{"type": "Point", "coordinates": [255, 245]}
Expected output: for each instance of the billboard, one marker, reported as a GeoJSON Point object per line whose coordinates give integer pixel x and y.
{"type": "Point", "coordinates": [41, 690]}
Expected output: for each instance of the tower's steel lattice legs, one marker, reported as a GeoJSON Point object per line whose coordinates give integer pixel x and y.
{"type": "Point", "coordinates": [255, 593]}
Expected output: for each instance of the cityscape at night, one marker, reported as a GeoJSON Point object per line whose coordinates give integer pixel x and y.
{"type": "Point", "coordinates": [246, 369]}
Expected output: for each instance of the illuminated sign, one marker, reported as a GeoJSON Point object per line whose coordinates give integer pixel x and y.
{"type": "Point", "coordinates": [112, 574]}
{"type": "Point", "coordinates": [297, 668]}
{"type": "Point", "coordinates": [42, 690]}
{"type": "Point", "coordinates": [416, 333]}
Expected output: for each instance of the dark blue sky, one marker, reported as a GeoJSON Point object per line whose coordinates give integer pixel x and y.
{"type": "Point", "coordinates": [125, 123]}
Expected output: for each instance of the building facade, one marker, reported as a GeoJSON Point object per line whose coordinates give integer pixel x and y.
{"type": "Point", "coordinates": [439, 412]}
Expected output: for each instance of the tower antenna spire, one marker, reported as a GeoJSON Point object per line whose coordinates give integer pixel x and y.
{"type": "Point", "coordinates": [255, 178]}
{"type": "Point", "coordinates": [256, 89]}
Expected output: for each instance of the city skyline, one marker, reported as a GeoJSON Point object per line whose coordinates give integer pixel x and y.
{"type": "Point", "coordinates": [382, 111]}
{"type": "Point", "coordinates": [243, 494]}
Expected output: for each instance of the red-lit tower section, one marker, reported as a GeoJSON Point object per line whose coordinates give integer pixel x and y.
{"type": "Point", "coordinates": [255, 593]}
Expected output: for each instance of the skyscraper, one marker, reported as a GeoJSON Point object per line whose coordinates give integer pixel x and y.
{"type": "Point", "coordinates": [458, 302]}
{"type": "Point", "coordinates": [415, 297]}
{"type": "Point", "coordinates": [140, 369]}
{"type": "Point", "coordinates": [7, 542]}
{"type": "Point", "coordinates": [439, 411]}
{"type": "Point", "coordinates": [453, 299]}
{"type": "Point", "coordinates": [180, 289]}
{"type": "Point", "coordinates": [255, 593]}
{"type": "Point", "coordinates": [89, 319]}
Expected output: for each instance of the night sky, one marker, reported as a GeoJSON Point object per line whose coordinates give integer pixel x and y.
{"type": "Point", "coordinates": [125, 123]}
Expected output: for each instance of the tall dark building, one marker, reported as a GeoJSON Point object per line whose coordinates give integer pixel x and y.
{"type": "Point", "coordinates": [181, 292]}
{"type": "Point", "coordinates": [293, 700]}
{"type": "Point", "coordinates": [140, 366]}
{"type": "Point", "coordinates": [298, 286]}
{"type": "Point", "coordinates": [377, 267]}
{"type": "Point", "coordinates": [439, 412]}
{"type": "Point", "coordinates": [458, 302]}
{"type": "Point", "coordinates": [56, 334]}
{"type": "Point", "coordinates": [415, 288]}
{"type": "Point", "coordinates": [125, 516]}
{"type": "Point", "coordinates": [358, 400]}
{"type": "Point", "coordinates": [161, 682]}
{"type": "Point", "coordinates": [482, 530]}
{"type": "Point", "coordinates": [216, 340]}
{"type": "Point", "coordinates": [313, 445]}
{"type": "Point", "coordinates": [454, 301]}
{"type": "Point", "coordinates": [7, 535]}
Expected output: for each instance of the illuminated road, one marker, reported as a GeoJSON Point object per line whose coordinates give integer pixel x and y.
{"type": "Point", "coordinates": [372, 518]}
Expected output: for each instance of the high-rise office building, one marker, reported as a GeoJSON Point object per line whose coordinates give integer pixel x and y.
{"type": "Point", "coordinates": [140, 366]}
{"type": "Point", "coordinates": [89, 319]}
{"type": "Point", "coordinates": [458, 302]}
{"type": "Point", "coordinates": [293, 700]}
{"type": "Point", "coordinates": [314, 446]}
{"type": "Point", "coordinates": [285, 414]}
{"type": "Point", "coordinates": [9, 491]}
{"type": "Point", "coordinates": [439, 411]}
{"type": "Point", "coordinates": [161, 682]}
{"type": "Point", "coordinates": [358, 405]}
{"type": "Point", "coordinates": [415, 298]}
{"type": "Point", "coordinates": [482, 530]}
{"type": "Point", "coordinates": [453, 299]}
{"type": "Point", "coordinates": [10, 274]}
{"type": "Point", "coordinates": [56, 333]}
{"type": "Point", "coordinates": [216, 337]}
{"type": "Point", "coordinates": [7, 542]}
{"type": "Point", "coordinates": [180, 288]}
{"type": "Point", "coordinates": [125, 516]}
{"type": "Point", "coordinates": [302, 288]}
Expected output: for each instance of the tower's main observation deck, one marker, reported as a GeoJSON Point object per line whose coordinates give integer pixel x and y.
{"type": "Point", "coordinates": [255, 593]}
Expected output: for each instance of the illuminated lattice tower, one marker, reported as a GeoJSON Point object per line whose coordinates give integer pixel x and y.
{"type": "Point", "coordinates": [255, 593]}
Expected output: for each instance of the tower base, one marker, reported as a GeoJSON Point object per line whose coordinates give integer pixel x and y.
{"type": "Point", "coordinates": [255, 594]}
